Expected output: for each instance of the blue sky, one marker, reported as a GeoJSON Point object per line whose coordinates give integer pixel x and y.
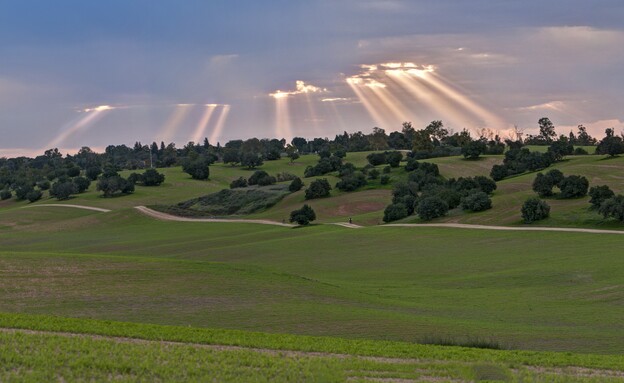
{"type": "Point", "coordinates": [492, 65]}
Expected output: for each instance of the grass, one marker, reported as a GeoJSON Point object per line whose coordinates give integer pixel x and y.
{"type": "Point", "coordinates": [524, 290]}
{"type": "Point", "coordinates": [105, 351]}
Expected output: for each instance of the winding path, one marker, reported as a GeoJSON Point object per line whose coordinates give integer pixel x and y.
{"type": "Point", "coordinates": [69, 205]}
{"type": "Point", "coordinates": [168, 217]}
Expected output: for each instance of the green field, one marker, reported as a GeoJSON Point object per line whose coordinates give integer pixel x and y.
{"type": "Point", "coordinates": [542, 291]}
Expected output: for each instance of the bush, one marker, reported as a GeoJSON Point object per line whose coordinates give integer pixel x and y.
{"type": "Point", "coordinates": [284, 176]}
{"type": "Point", "coordinates": [412, 164]}
{"type": "Point", "coordinates": [385, 179]}
{"type": "Point", "coordinates": [198, 168]}
{"type": "Point", "coordinates": [387, 169]}
{"type": "Point", "coordinates": [34, 195]}
{"type": "Point", "coordinates": [151, 177]}
{"type": "Point", "coordinates": [5, 194]}
{"type": "Point", "coordinates": [498, 172]}
{"type": "Point", "coordinates": [556, 176]}
{"type": "Point", "coordinates": [599, 194]}
{"type": "Point", "coordinates": [266, 181]}
{"type": "Point", "coordinates": [487, 185]}
{"type": "Point", "coordinates": [256, 176]}
{"type": "Point", "coordinates": [135, 178]}
{"type": "Point", "coordinates": [431, 207]}
{"type": "Point", "coordinates": [580, 152]}
{"type": "Point", "coordinates": [394, 212]}
{"type": "Point", "coordinates": [394, 158]}
{"type": "Point", "coordinates": [43, 185]}
{"type": "Point", "coordinates": [534, 209]}
{"type": "Point", "coordinates": [478, 201]}
{"type": "Point", "coordinates": [352, 181]}
{"type": "Point", "coordinates": [318, 189]}
{"type": "Point", "coordinates": [63, 190]}
{"type": "Point", "coordinates": [82, 184]}
{"type": "Point", "coordinates": [303, 216]}
{"type": "Point", "coordinates": [373, 174]}
{"type": "Point", "coordinates": [295, 185]}
{"type": "Point", "coordinates": [543, 185]}
{"type": "Point", "coordinates": [613, 208]}
{"type": "Point", "coordinates": [112, 184]}
{"type": "Point", "coordinates": [574, 187]}
{"type": "Point", "coordinates": [240, 182]}
{"type": "Point", "coordinates": [450, 196]}
{"type": "Point", "coordinates": [376, 159]}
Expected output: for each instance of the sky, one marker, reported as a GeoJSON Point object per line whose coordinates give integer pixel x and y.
{"type": "Point", "coordinates": [79, 73]}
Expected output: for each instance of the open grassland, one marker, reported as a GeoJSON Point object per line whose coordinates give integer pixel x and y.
{"type": "Point", "coordinates": [42, 348]}
{"type": "Point", "coordinates": [526, 290]}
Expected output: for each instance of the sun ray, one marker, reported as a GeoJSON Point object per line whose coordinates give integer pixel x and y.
{"type": "Point", "coordinates": [173, 124]}
{"type": "Point", "coordinates": [200, 130]}
{"type": "Point", "coordinates": [378, 119]}
{"type": "Point", "coordinates": [282, 118]}
{"type": "Point", "coordinates": [93, 115]}
{"type": "Point", "coordinates": [216, 133]}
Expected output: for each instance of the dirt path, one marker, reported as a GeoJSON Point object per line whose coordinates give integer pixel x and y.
{"type": "Point", "coordinates": [69, 205]}
{"type": "Point", "coordinates": [506, 228]}
{"type": "Point", "coordinates": [345, 224]}
{"type": "Point", "coordinates": [169, 217]}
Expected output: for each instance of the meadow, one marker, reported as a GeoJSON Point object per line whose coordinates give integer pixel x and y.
{"type": "Point", "coordinates": [376, 288]}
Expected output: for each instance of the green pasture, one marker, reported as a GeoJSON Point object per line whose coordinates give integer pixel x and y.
{"type": "Point", "coordinates": [118, 351]}
{"type": "Point", "coordinates": [523, 290]}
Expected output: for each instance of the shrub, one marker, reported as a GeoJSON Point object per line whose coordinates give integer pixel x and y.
{"type": "Point", "coordinates": [376, 159]}
{"type": "Point", "coordinates": [284, 176]}
{"type": "Point", "coordinates": [599, 194]}
{"type": "Point", "coordinates": [580, 152]}
{"type": "Point", "coordinates": [387, 169]}
{"type": "Point", "coordinates": [240, 182]}
{"type": "Point", "coordinates": [295, 185]}
{"type": "Point", "coordinates": [256, 176]}
{"type": "Point", "coordinates": [63, 190]}
{"type": "Point", "coordinates": [5, 194]}
{"type": "Point", "coordinates": [412, 164]}
{"type": "Point", "coordinates": [431, 207]}
{"type": "Point", "coordinates": [43, 185]}
{"type": "Point", "coordinates": [197, 168]}
{"type": "Point", "coordinates": [82, 184]}
{"type": "Point", "coordinates": [543, 185]}
{"type": "Point", "coordinates": [352, 181]}
{"type": "Point", "coordinates": [151, 177]}
{"type": "Point", "coordinates": [498, 172]}
{"type": "Point", "coordinates": [73, 171]}
{"type": "Point", "coordinates": [394, 212]}
{"type": "Point", "coordinates": [534, 209]}
{"type": "Point", "coordinates": [473, 149]}
{"type": "Point", "coordinates": [303, 216]}
{"type": "Point", "coordinates": [114, 183]}
{"type": "Point", "coordinates": [385, 179]}
{"type": "Point", "coordinates": [450, 196]}
{"type": "Point", "coordinates": [487, 185]}
{"type": "Point", "coordinates": [266, 180]}
{"type": "Point", "coordinates": [318, 189]}
{"type": "Point", "coordinates": [373, 174]}
{"type": "Point", "coordinates": [34, 195]}
{"type": "Point", "coordinates": [574, 187]}
{"type": "Point", "coordinates": [478, 201]}
{"type": "Point", "coordinates": [394, 158]}
{"type": "Point", "coordinates": [93, 172]}
{"type": "Point", "coordinates": [613, 208]}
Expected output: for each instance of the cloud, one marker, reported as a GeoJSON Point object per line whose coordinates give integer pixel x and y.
{"type": "Point", "coordinates": [300, 88]}
{"type": "Point", "coordinates": [222, 59]}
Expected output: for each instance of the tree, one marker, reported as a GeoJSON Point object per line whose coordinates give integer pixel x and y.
{"type": "Point", "coordinates": [256, 176]}
{"type": "Point", "coordinates": [543, 185]}
{"type": "Point", "coordinates": [151, 177]}
{"type": "Point", "coordinates": [318, 189]}
{"type": "Point", "coordinates": [110, 184]}
{"type": "Point", "coordinates": [34, 195]}
{"type": "Point", "coordinates": [303, 216]}
{"type": "Point", "coordinates": [376, 159]}
{"type": "Point", "coordinates": [231, 156]}
{"type": "Point", "coordinates": [534, 209]}
{"type": "Point", "coordinates": [394, 212]}
{"type": "Point", "coordinates": [487, 185]}
{"type": "Point", "coordinates": [611, 144]}
{"type": "Point", "coordinates": [394, 158]}
{"type": "Point", "coordinates": [197, 168]}
{"type": "Point", "coordinates": [352, 181]}
{"type": "Point", "coordinates": [63, 190]}
{"type": "Point", "coordinates": [599, 194]}
{"type": "Point", "coordinates": [295, 185]}
{"type": "Point", "coordinates": [573, 187]}
{"type": "Point", "coordinates": [478, 201]}
{"type": "Point", "coordinates": [431, 207]}
{"type": "Point", "coordinates": [613, 208]}
{"type": "Point", "coordinates": [73, 171]}
{"type": "Point", "coordinates": [291, 152]}
{"type": "Point", "coordinates": [498, 172]}
{"type": "Point", "coordinates": [5, 194]}
{"type": "Point", "coordinates": [93, 172]}
{"type": "Point", "coordinates": [251, 160]}
{"type": "Point", "coordinates": [547, 130]}
{"type": "Point", "coordinates": [82, 184]}
{"type": "Point", "coordinates": [561, 148]}
{"type": "Point", "coordinates": [473, 149]}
